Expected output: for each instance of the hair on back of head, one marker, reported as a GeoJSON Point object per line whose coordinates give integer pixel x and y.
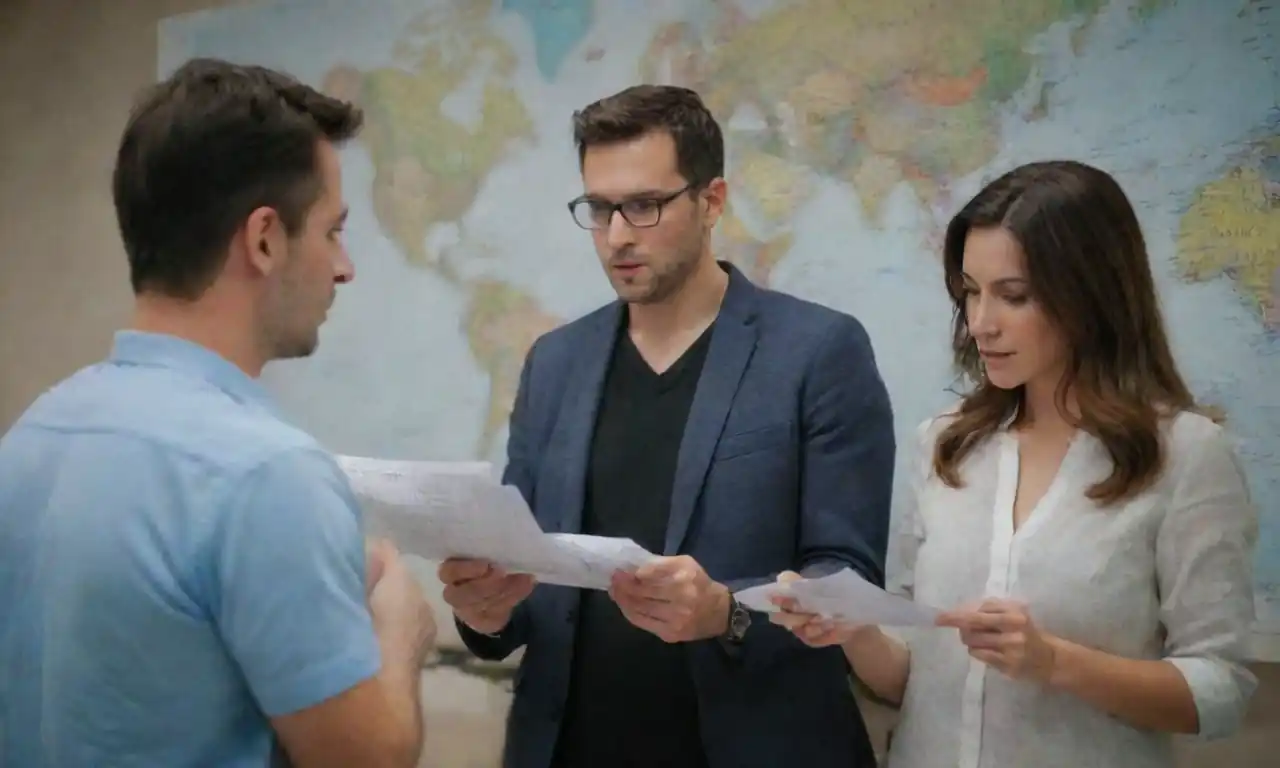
{"type": "Point", "coordinates": [203, 149]}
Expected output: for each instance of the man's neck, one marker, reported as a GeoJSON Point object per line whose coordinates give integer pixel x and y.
{"type": "Point", "coordinates": [687, 312]}
{"type": "Point", "coordinates": [226, 333]}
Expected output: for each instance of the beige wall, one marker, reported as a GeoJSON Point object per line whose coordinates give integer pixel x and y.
{"type": "Point", "coordinates": [70, 68]}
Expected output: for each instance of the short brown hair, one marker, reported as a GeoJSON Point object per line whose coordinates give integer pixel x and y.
{"type": "Point", "coordinates": [202, 150]}
{"type": "Point", "coordinates": [641, 109]}
{"type": "Point", "coordinates": [1087, 265]}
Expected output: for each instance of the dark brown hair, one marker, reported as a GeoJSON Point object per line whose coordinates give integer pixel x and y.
{"type": "Point", "coordinates": [202, 150]}
{"type": "Point", "coordinates": [642, 109]}
{"type": "Point", "coordinates": [1088, 270]}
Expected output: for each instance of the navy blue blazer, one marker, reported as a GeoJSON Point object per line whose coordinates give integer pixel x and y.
{"type": "Point", "coordinates": [787, 462]}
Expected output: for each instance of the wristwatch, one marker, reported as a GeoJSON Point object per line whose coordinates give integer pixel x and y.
{"type": "Point", "coordinates": [739, 622]}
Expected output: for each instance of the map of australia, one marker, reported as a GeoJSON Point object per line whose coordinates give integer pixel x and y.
{"type": "Point", "coordinates": [855, 128]}
{"type": "Point", "coordinates": [1233, 228]}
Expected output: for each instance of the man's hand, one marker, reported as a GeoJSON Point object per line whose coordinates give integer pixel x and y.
{"type": "Point", "coordinates": [672, 598]}
{"type": "Point", "coordinates": [376, 553]}
{"type": "Point", "coordinates": [402, 617]}
{"type": "Point", "coordinates": [481, 594]}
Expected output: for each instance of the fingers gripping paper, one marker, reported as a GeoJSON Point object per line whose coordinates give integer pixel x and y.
{"type": "Point", "coordinates": [439, 510]}
{"type": "Point", "coordinates": [844, 596]}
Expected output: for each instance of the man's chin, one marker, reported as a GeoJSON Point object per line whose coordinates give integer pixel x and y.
{"type": "Point", "coordinates": [298, 349]}
{"type": "Point", "coordinates": [631, 293]}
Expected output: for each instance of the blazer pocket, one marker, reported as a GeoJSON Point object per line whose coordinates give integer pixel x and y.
{"type": "Point", "coordinates": [752, 441]}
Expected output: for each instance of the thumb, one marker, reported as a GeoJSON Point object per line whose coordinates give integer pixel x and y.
{"type": "Point", "coordinates": [786, 577]}
{"type": "Point", "coordinates": [376, 552]}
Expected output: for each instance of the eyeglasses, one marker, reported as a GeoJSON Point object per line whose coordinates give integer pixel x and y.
{"type": "Point", "coordinates": [592, 213]}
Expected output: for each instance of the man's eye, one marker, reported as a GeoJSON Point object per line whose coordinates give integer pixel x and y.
{"type": "Point", "coordinates": [639, 206]}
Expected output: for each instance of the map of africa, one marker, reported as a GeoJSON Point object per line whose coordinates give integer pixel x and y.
{"type": "Point", "coordinates": [855, 128]}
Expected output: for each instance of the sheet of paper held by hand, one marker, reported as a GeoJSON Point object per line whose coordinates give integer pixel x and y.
{"type": "Point", "coordinates": [843, 596]}
{"type": "Point", "coordinates": [589, 561]}
{"type": "Point", "coordinates": [438, 510]}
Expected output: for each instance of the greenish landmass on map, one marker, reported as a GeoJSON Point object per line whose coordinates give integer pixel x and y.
{"type": "Point", "coordinates": [1232, 227]}
{"type": "Point", "coordinates": [869, 93]}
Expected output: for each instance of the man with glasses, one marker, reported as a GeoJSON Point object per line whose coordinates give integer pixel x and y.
{"type": "Point", "coordinates": [736, 431]}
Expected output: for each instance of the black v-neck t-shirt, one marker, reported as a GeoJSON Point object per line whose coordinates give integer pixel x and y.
{"type": "Point", "coordinates": [631, 695]}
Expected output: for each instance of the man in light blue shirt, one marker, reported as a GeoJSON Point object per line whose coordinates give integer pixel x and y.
{"type": "Point", "coordinates": [183, 574]}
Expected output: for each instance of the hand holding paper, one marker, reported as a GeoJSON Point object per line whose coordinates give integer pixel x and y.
{"type": "Point", "coordinates": [843, 597]}
{"type": "Point", "coordinates": [459, 511]}
{"type": "Point", "coordinates": [481, 594]}
{"type": "Point", "coordinates": [673, 598]}
{"type": "Point", "coordinates": [812, 629]}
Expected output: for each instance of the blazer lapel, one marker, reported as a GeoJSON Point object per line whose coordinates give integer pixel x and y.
{"type": "Point", "coordinates": [733, 340]}
{"type": "Point", "coordinates": [576, 425]}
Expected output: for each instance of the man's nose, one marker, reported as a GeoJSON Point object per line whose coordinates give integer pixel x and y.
{"type": "Point", "coordinates": [619, 233]}
{"type": "Point", "coordinates": [344, 270]}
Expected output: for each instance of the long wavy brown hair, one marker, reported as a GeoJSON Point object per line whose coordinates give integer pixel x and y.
{"type": "Point", "coordinates": [1088, 270]}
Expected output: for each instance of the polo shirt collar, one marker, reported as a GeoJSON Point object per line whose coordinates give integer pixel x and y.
{"type": "Point", "coordinates": [160, 350]}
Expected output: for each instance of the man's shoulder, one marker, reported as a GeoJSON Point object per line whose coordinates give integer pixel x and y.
{"type": "Point", "coordinates": [784, 310]}
{"type": "Point", "coordinates": [164, 412]}
{"type": "Point", "coordinates": [585, 324]}
{"type": "Point", "coordinates": [564, 340]}
{"type": "Point", "coordinates": [809, 333]}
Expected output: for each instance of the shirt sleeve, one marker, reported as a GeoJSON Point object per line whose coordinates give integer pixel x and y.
{"type": "Point", "coordinates": [1204, 567]}
{"type": "Point", "coordinates": [290, 579]}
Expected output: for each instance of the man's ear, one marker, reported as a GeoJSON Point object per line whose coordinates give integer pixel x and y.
{"type": "Point", "coordinates": [265, 241]}
{"type": "Point", "coordinates": [716, 195]}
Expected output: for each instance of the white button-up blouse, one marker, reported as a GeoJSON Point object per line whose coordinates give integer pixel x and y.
{"type": "Point", "coordinates": [1165, 575]}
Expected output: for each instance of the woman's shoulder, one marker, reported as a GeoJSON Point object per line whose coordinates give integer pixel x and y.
{"type": "Point", "coordinates": [926, 436]}
{"type": "Point", "coordinates": [1195, 439]}
{"type": "Point", "coordinates": [1188, 427]}
{"type": "Point", "coordinates": [927, 431]}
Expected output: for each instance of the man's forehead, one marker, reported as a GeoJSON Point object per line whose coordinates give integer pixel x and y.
{"type": "Point", "coordinates": [631, 168]}
{"type": "Point", "coordinates": [625, 182]}
{"type": "Point", "coordinates": [622, 194]}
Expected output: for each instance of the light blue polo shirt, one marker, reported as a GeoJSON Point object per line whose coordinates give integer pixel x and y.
{"type": "Point", "coordinates": [177, 564]}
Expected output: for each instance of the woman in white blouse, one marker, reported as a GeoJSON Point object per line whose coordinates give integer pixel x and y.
{"type": "Point", "coordinates": [1087, 528]}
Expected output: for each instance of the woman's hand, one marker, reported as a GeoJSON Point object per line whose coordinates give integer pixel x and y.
{"type": "Point", "coordinates": [1000, 633]}
{"type": "Point", "coordinates": [811, 628]}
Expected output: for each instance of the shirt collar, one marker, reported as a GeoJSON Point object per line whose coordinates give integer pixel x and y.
{"type": "Point", "coordinates": [165, 351]}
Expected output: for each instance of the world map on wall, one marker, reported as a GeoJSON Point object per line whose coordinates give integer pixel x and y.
{"type": "Point", "coordinates": [855, 128]}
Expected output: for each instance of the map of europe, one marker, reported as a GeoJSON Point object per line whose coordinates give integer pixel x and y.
{"type": "Point", "coordinates": [855, 128]}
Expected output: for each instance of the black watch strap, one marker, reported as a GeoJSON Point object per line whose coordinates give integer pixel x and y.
{"type": "Point", "coordinates": [739, 622]}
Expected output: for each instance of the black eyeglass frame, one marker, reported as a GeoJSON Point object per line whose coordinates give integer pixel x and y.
{"type": "Point", "coordinates": [660, 204]}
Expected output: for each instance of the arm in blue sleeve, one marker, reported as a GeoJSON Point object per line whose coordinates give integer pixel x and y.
{"type": "Point", "coordinates": [847, 471]}
{"type": "Point", "coordinates": [290, 581]}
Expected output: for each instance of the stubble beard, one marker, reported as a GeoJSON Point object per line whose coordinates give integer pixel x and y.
{"type": "Point", "coordinates": [669, 282]}
{"type": "Point", "coordinates": [285, 334]}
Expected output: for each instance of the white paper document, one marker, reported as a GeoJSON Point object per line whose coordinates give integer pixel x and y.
{"type": "Point", "coordinates": [843, 596]}
{"type": "Point", "coordinates": [589, 561]}
{"type": "Point", "coordinates": [438, 510]}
